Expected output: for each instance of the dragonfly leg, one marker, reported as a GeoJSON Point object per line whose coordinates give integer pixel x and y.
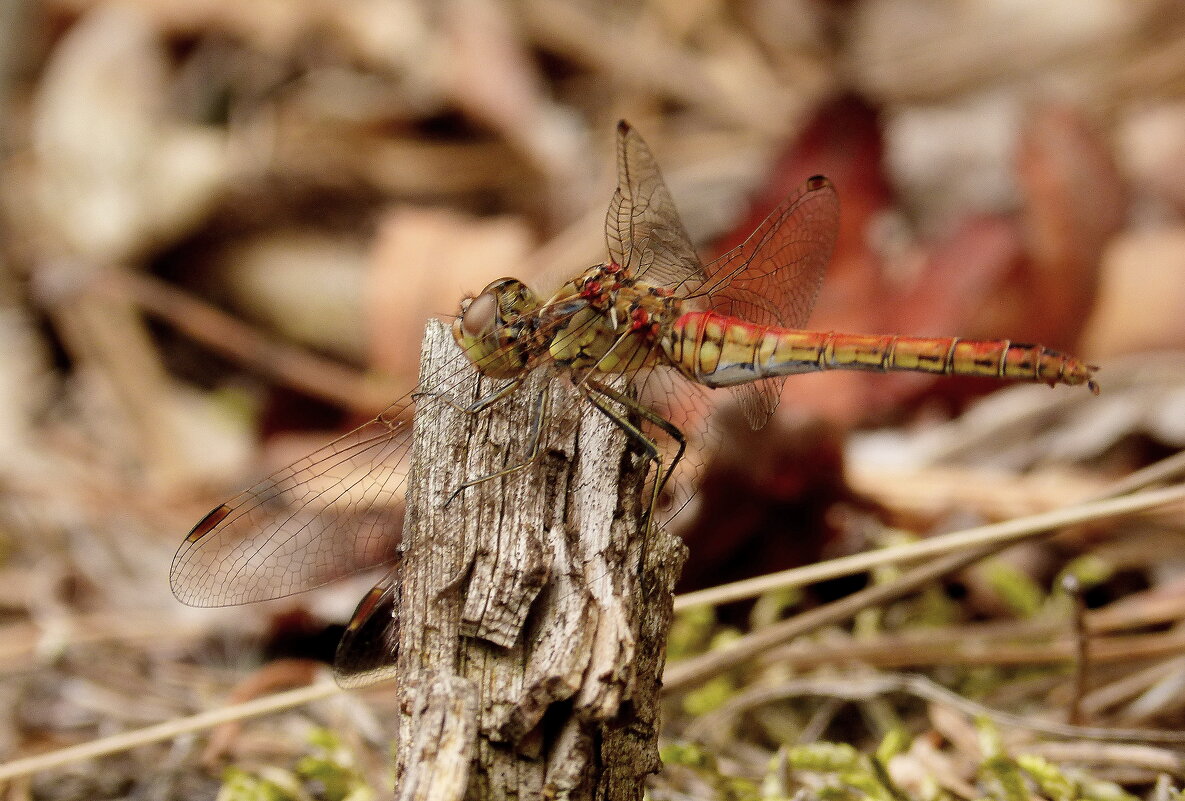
{"type": "Point", "coordinates": [542, 401]}
{"type": "Point", "coordinates": [591, 388]}
{"type": "Point", "coordinates": [482, 403]}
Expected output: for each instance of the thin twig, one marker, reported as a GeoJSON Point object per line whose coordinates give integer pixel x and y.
{"type": "Point", "coordinates": [1167, 468]}
{"type": "Point", "coordinates": [995, 534]}
{"type": "Point", "coordinates": [891, 651]}
{"type": "Point", "coordinates": [692, 671]}
{"type": "Point", "coordinates": [864, 688]}
{"type": "Point", "coordinates": [976, 544]}
{"type": "Point", "coordinates": [1073, 589]}
{"type": "Point", "coordinates": [1130, 685]}
{"type": "Point", "coordinates": [164, 731]}
{"type": "Point", "coordinates": [281, 362]}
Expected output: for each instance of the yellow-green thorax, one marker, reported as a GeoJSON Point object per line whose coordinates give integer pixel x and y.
{"type": "Point", "coordinates": [608, 324]}
{"type": "Point", "coordinates": [598, 321]}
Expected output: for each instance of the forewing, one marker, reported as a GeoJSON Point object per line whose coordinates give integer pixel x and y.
{"type": "Point", "coordinates": [334, 512]}
{"type": "Point", "coordinates": [643, 229]}
{"type": "Point", "coordinates": [366, 652]}
{"type": "Point", "coordinates": [773, 277]}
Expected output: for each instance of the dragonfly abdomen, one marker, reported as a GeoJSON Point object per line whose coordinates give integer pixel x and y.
{"type": "Point", "coordinates": [722, 351]}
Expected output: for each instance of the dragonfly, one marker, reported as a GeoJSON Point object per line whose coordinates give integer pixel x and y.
{"type": "Point", "coordinates": [651, 309]}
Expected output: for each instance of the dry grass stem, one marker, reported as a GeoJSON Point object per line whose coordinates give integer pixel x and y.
{"type": "Point", "coordinates": [166, 731]}
{"type": "Point", "coordinates": [1008, 532]}
{"type": "Point", "coordinates": [866, 687]}
{"type": "Point", "coordinates": [286, 364]}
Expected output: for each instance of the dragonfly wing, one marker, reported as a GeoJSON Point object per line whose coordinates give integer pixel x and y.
{"type": "Point", "coordinates": [773, 277]}
{"type": "Point", "coordinates": [645, 234]}
{"type": "Point", "coordinates": [366, 652]}
{"type": "Point", "coordinates": [759, 399]}
{"type": "Point", "coordinates": [334, 512]}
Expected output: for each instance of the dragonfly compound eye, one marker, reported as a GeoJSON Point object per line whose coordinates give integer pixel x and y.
{"type": "Point", "coordinates": [490, 328]}
{"type": "Point", "coordinates": [480, 315]}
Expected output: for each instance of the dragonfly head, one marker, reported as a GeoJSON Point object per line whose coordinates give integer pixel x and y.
{"type": "Point", "coordinates": [494, 328]}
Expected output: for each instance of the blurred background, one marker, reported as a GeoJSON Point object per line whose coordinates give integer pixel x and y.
{"type": "Point", "coordinates": [223, 225]}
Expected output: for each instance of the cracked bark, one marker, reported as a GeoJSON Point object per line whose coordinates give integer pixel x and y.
{"type": "Point", "coordinates": [535, 594]}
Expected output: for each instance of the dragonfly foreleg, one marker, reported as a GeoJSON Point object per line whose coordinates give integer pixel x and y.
{"type": "Point", "coordinates": [591, 388]}
{"type": "Point", "coordinates": [481, 404]}
{"type": "Point", "coordinates": [535, 437]}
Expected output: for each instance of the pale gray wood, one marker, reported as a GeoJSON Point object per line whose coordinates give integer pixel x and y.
{"type": "Point", "coordinates": [443, 743]}
{"type": "Point", "coordinates": [538, 588]}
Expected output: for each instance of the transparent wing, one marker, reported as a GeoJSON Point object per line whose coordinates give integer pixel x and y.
{"type": "Point", "coordinates": [643, 229]}
{"type": "Point", "coordinates": [773, 277]}
{"type": "Point", "coordinates": [334, 512]}
{"type": "Point", "coordinates": [688, 406]}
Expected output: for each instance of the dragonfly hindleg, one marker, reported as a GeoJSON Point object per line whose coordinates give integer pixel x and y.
{"type": "Point", "coordinates": [592, 388]}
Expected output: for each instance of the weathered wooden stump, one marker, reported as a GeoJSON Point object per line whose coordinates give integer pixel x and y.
{"type": "Point", "coordinates": [534, 608]}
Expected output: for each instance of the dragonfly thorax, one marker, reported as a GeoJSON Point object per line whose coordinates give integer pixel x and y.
{"type": "Point", "coordinates": [609, 323]}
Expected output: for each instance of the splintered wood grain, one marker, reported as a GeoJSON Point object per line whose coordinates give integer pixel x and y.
{"type": "Point", "coordinates": [538, 587]}
{"type": "Point", "coordinates": [444, 707]}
